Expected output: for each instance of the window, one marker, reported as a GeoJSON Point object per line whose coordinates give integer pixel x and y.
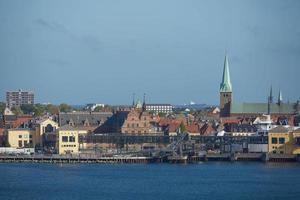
{"type": "Point", "coordinates": [65, 138]}
{"type": "Point", "coordinates": [25, 143]}
{"type": "Point", "coordinates": [128, 126]}
{"type": "Point", "coordinates": [281, 140]}
{"type": "Point", "coordinates": [20, 143]}
{"type": "Point", "coordinates": [137, 125]}
{"type": "Point", "coordinates": [274, 140]}
{"type": "Point", "coordinates": [20, 136]}
{"type": "Point", "coordinates": [297, 140]}
{"type": "Point", "coordinates": [71, 138]}
{"type": "Point", "coordinates": [30, 136]}
{"type": "Point", "coordinates": [49, 128]}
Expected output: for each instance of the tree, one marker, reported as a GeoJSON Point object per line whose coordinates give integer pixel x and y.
{"type": "Point", "coordinates": [161, 114]}
{"type": "Point", "coordinates": [27, 108]}
{"type": "Point", "coordinates": [17, 110]}
{"type": "Point", "coordinates": [182, 128]}
{"type": "Point", "coordinates": [52, 109]}
{"type": "Point", "coordinates": [39, 110]}
{"type": "Point", "coordinates": [98, 109]}
{"type": "Point", "coordinates": [2, 107]}
{"type": "Point", "coordinates": [65, 108]}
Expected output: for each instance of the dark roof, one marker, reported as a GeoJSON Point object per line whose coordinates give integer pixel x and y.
{"type": "Point", "coordinates": [10, 117]}
{"type": "Point", "coordinates": [67, 127]}
{"type": "Point", "coordinates": [113, 124]}
{"type": "Point", "coordinates": [262, 108]}
{"type": "Point", "coordinates": [240, 128]}
{"type": "Point", "coordinates": [80, 118]}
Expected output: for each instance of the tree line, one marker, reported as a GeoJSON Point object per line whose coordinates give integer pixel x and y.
{"type": "Point", "coordinates": [37, 109]}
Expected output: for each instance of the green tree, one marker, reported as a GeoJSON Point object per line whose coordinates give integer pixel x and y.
{"type": "Point", "coordinates": [39, 110]}
{"type": "Point", "coordinates": [2, 107]}
{"type": "Point", "coordinates": [27, 108]}
{"type": "Point", "coordinates": [182, 128]}
{"type": "Point", "coordinates": [98, 109]}
{"type": "Point", "coordinates": [52, 109]}
{"type": "Point", "coordinates": [17, 110]}
{"type": "Point", "coordinates": [161, 114]}
{"type": "Point", "coordinates": [65, 108]}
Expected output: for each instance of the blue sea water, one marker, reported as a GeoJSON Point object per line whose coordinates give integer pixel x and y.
{"type": "Point", "coordinates": [210, 180]}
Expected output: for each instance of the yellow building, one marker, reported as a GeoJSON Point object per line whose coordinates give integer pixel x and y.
{"type": "Point", "coordinates": [283, 140]}
{"type": "Point", "coordinates": [296, 138]}
{"type": "Point", "coordinates": [20, 138]}
{"type": "Point", "coordinates": [67, 140]}
{"type": "Point", "coordinates": [46, 132]}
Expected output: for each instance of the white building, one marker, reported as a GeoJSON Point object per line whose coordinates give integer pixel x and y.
{"type": "Point", "coordinates": [264, 124]}
{"type": "Point", "coordinates": [18, 98]}
{"type": "Point", "coordinates": [92, 106]}
{"type": "Point", "coordinates": [159, 108]}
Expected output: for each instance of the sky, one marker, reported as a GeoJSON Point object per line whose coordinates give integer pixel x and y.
{"type": "Point", "coordinates": [102, 51]}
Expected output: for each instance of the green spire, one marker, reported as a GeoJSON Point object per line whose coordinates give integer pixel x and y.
{"type": "Point", "coordinates": [138, 104]}
{"type": "Point", "coordinates": [226, 86]}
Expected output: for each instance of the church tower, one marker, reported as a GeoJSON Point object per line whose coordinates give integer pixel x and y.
{"type": "Point", "coordinates": [225, 91]}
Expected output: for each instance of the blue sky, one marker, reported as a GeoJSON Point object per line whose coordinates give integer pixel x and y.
{"type": "Point", "coordinates": [104, 50]}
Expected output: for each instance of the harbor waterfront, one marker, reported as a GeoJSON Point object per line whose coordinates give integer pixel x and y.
{"type": "Point", "coordinates": [129, 159]}
{"type": "Point", "coordinates": [208, 180]}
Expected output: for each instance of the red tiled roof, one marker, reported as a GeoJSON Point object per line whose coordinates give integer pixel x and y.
{"type": "Point", "coordinates": [230, 121]}
{"type": "Point", "coordinates": [193, 128]}
{"type": "Point", "coordinates": [172, 127]}
{"type": "Point", "coordinates": [21, 120]}
{"type": "Point", "coordinates": [207, 129]}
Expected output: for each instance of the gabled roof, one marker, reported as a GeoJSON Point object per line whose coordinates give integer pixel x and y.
{"type": "Point", "coordinates": [44, 120]}
{"type": "Point", "coordinates": [79, 118]}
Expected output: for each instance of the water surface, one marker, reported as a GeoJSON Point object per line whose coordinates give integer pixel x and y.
{"type": "Point", "coordinates": [210, 180]}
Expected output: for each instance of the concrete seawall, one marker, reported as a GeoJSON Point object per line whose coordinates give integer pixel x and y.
{"type": "Point", "coordinates": [234, 157]}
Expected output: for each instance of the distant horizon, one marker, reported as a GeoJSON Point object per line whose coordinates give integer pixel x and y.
{"type": "Point", "coordinates": [103, 51]}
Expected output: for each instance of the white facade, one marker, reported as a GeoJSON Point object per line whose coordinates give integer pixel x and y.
{"type": "Point", "coordinates": [92, 106]}
{"type": "Point", "coordinates": [159, 108]}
